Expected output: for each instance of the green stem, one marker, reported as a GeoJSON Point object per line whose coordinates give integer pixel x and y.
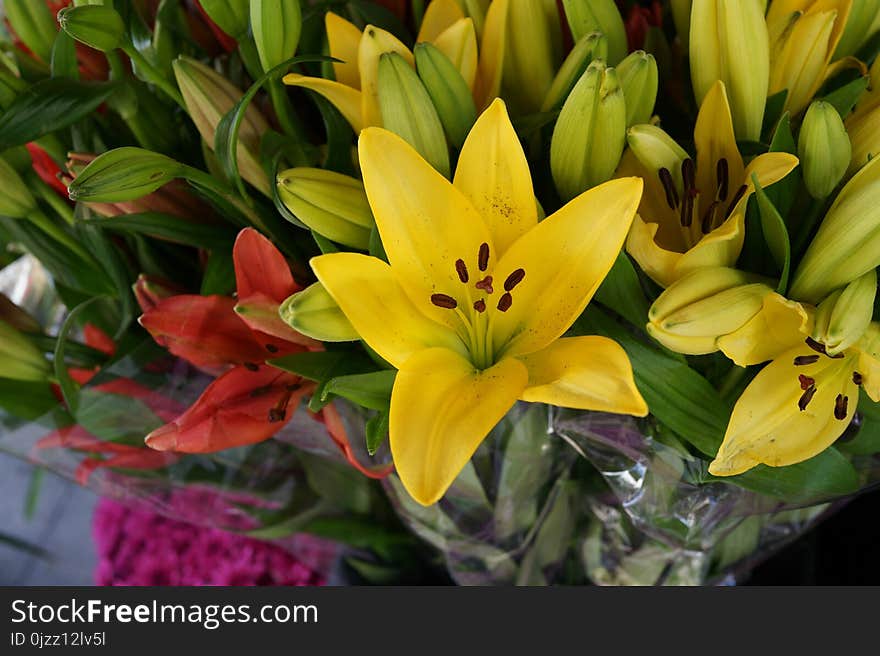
{"type": "Point", "coordinates": [731, 380]}
{"type": "Point", "coordinates": [153, 76]}
{"type": "Point", "coordinates": [54, 231]}
{"type": "Point", "coordinates": [201, 178]}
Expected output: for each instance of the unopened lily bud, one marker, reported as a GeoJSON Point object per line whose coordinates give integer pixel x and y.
{"type": "Point", "coordinates": [448, 91]}
{"type": "Point", "coordinates": [639, 79]}
{"type": "Point", "coordinates": [728, 42]}
{"type": "Point", "coordinates": [15, 199]}
{"type": "Point", "coordinates": [231, 16]}
{"type": "Point", "coordinates": [824, 149]}
{"type": "Point", "coordinates": [656, 150]}
{"type": "Point", "coordinates": [862, 17]}
{"type": "Point", "coordinates": [590, 47]}
{"type": "Point", "coordinates": [590, 132]}
{"type": "Point", "coordinates": [847, 244]}
{"type": "Point", "coordinates": [693, 312]}
{"type": "Point", "coordinates": [123, 174]}
{"type": "Point", "coordinates": [98, 26]}
{"type": "Point", "coordinates": [843, 317]}
{"type": "Point", "coordinates": [407, 110]}
{"type": "Point", "coordinates": [20, 359]}
{"type": "Point", "coordinates": [314, 313]}
{"type": "Point", "coordinates": [331, 204]}
{"type": "Point", "coordinates": [149, 291]}
{"type": "Point", "coordinates": [276, 25]}
{"type": "Point", "coordinates": [208, 97]}
{"type": "Point", "coordinates": [33, 23]}
{"type": "Point", "coordinates": [531, 55]}
{"type": "Point", "coordinates": [598, 16]}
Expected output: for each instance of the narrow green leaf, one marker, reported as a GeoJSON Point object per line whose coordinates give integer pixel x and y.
{"type": "Point", "coordinates": [621, 292]}
{"type": "Point", "coordinates": [50, 105]}
{"type": "Point", "coordinates": [26, 400]}
{"type": "Point", "coordinates": [63, 60]}
{"type": "Point", "coordinates": [324, 244]}
{"type": "Point", "coordinates": [377, 431]}
{"type": "Point", "coordinates": [783, 139]}
{"type": "Point", "coordinates": [372, 390]}
{"type": "Point", "coordinates": [773, 111]}
{"type": "Point", "coordinates": [846, 97]}
{"type": "Point", "coordinates": [69, 388]}
{"type": "Point", "coordinates": [33, 492]}
{"type": "Point", "coordinates": [775, 233]}
{"type": "Point", "coordinates": [171, 228]}
{"type": "Point", "coordinates": [321, 366]}
{"type": "Point", "coordinates": [219, 275]}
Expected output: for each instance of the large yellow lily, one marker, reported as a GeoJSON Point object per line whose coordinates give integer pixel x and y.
{"type": "Point", "coordinates": [803, 37]}
{"type": "Point", "coordinates": [355, 91]}
{"type": "Point", "coordinates": [472, 306]}
{"type": "Point", "coordinates": [799, 404]}
{"type": "Point", "coordinates": [692, 215]}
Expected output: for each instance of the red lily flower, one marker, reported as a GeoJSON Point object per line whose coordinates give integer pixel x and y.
{"type": "Point", "coordinates": [45, 167]}
{"type": "Point", "coordinates": [639, 21]}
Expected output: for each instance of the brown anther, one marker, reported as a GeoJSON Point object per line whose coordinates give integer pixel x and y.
{"type": "Point", "coordinates": [806, 397]}
{"type": "Point", "coordinates": [514, 279]}
{"type": "Point", "coordinates": [806, 382]}
{"type": "Point", "coordinates": [708, 222]}
{"type": "Point", "coordinates": [688, 174]}
{"type": "Point", "coordinates": [277, 414]}
{"type": "Point", "coordinates": [250, 366]}
{"type": "Point", "coordinates": [736, 198]}
{"type": "Point", "coordinates": [444, 301]}
{"type": "Point", "coordinates": [722, 176]}
{"type": "Point", "coordinates": [840, 407]}
{"type": "Point", "coordinates": [857, 378]}
{"type": "Point", "coordinates": [669, 188]}
{"type": "Point", "coordinates": [486, 285]}
{"type": "Point", "coordinates": [505, 302]}
{"type": "Point", "coordinates": [480, 306]}
{"type": "Point", "coordinates": [801, 360]}
{"type": "Point", "coordinates": [271, 348]}
{"type": "Point", "coordinates": [816, 346]}
{"type": "Point", "coordinates": [687, 207]}
{"type": "Point", "coordinates": [462, 271]}
{"type": "Point", "coordinates": [483, 257]}
{"type": "Point", "coordinates": [259, 391]}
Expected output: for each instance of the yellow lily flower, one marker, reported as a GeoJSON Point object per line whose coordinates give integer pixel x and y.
{"type": "Point", "coordinates": [355, 91]}
{"type": "Point", "coordinates": [692, 215]}
{"type": "Point", "coordinates": [477, 294]}
{"type": "Point", "coordinates": [803, 37]}
{"type": "Point", "coordinates": [863, 124]}
{"type": "Point", "coordinates": [798, 405]}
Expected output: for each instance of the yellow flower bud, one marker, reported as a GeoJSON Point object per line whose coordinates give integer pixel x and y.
{"type": "Point", "coordinates": [843, 317]}
{"type": "Point", "coordinates": [823, 148]}
{"type": "Point", "coordinates": [331, 204]}
{"type": "Point", "coordinates": [314, 313]}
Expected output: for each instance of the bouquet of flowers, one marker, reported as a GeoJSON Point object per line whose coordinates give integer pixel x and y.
{"type": "Point", "coordinates": [506, 291]}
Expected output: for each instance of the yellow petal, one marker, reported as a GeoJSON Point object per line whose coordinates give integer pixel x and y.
{"type": "Point", "coordinates": [720, 248]}
{"type": "Point", "coordinates": [565, 259]}
{"type": "Point", "coordinates": [425, 222]}
{"type": "Point", "coordinates": [439, 15]}
{"type": "Point", "coordinates": [658, 263]}
{"type": "Point", "coordinates": [800, 65]}
{"type": "Point", "coordinates": [344, 40]}
{"type": "Point", "coordinates": [770, 168]}
{"type": "Point", "coordinates": [779, 326]}
{"type": "Point", "coordinates": [586, 373]}
{"type": "Point", "coordinates": [370, 297]}
{"type": "Point", "coordinates": [374, 43]}
{"type": "Point", "coordinates": [494, 174]}
{"type": "Point", "coordinates": [715, 140]}
{"type": "Point", "coordinates": [441, 409]}
{"type": "Point", "coordinates": [346, 99]}
{"type": "Point", "coordinates": [869, 361]}
{"type": "Point", "coordinates": [459, 43]}
{"type": "Point", "coordinates": [491, 66]}
{"type": "Point", "coordinates": [767, 425]}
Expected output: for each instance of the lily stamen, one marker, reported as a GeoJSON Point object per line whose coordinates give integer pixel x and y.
{"type": "Point", "coordinates": [669, 188]}
{"type": "Point", "coordinates": [802, 360]}
{"type": "Point", "coordinates": [486, 285]}
{"type": "Point", "coordinates": [857, 378]}
{"type": "Point", "coordinates": [480, 305]}
{"type": "Point", "coordinates": [840, 406]}
{"type": "Point", "coordinates": [483, 257]}
{"type": "Point", "coordinates": [505, 302]}
{"type": "Point", "coordinates": [689, 174]}
{"type": "Point", "coordinates": [722, 175]}
{"type": "Point", "coordinates": [806, 397]}
{"type": "Point", "coordinates": [514, 279]}
{"type": "Point", "coordinates": [444, 301]}
{"type": "Point", "coordinates": [461, 269]}
{"type": "Point", "coordinates": [708, 222]}
{"type": "Point", "coordinates": [806, 382]}
{"type": "Point", "coordinates": [736, 198]}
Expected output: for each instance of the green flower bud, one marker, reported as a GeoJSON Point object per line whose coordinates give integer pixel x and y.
{"type": "Point", "coordinates": [824, 149]}
{"type": "Point", "coordinates": [331, 204]}
{"type": "Point", "coordinates": [590, 132]}
{"type": "Point", "coordinates": [407, 110]}
{"type": "Point", "coordinates": [598, 16]}
{"type": "Point", "coordinates": [98, 26]}
{"type": "Point", "coordinates": [276, 25]}
{"type": "Point", "coordinates": [19, 358]}
{"type": "Point", "coordinates": [639, 79]}
{"type": "Point", "coordinates": [657, 150]}
{"type": "Point", "coordinates": [313, 313]}
{"type": "Point", "coordinates": [123, 174]}
{"type": "Point", "coordinates": [231, 16]}
{"type": "Point", "coordinates": [709, 303]}
{"type": "Point", "coordinates": [34, 24]}
{"type": "Point", "coordinates": [843, 317]}
{"type": "Point", "coordinates": [449, 92]}
{"type": "Point", "coordinates": [729, 42]}
{"type": "Point", "coordinates": [208, 97]}
{"type": "Point", "coordinates": [847, 244]}
{"type": "Point", "coordinates": [15, 200]}
{"type": "Point", "coordinates": [592, 46]}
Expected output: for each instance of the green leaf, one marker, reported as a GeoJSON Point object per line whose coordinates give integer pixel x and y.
{"type": "Point", "coordinates": [26, 400]}
{"type": "Point", "coordinates": [372, 390]}
{"type": "Point", "coordinates": [339, 137]}
{"type": "Point", "coordinates": [867, 439]}
{"type": "Point", "coordinates": [219, 275]}
{"type": "Point", "coordinates": [377, 431]}
{"type": "Point", "coordinates": [846, 97]}
{"type": "Point", "coordinates": [62, 62]}
{"type": "Point", "coordinates": [50, 105]}
{"type": "Point", "coordinates": [337, 482]}
{"type": "Point", "coordinates": [226, 135]}
{"type": "Point", "coordinates": [171, 228]}
{"type": "Point", "coordinates": [111, 260]}
{"type": "Point", "coordinates": [783, 138]}
{"type": "Point", "coordinates": [33, 492]}
{"type": "Point", "coordinates": [324, 244]}
{"type": "Point", "coordinates": [775, 233]}
{"type": "Point", "coordinates": [321, 366]}
{"type": "Point", "coordinates": [69, 388]}
{"type": "Point", "coordinates": [622, 293]}
{"type": "Point", "coordinates": [773, 110]}
{"type": "Point", "coordinates": [361, 533]}
{"type": "Point", "coordinates": [115, 418]}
